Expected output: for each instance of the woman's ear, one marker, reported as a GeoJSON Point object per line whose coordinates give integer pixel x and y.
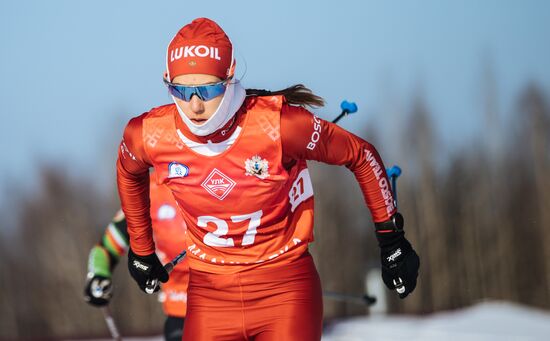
{"type": "Point", "coordinates": [231, 70]}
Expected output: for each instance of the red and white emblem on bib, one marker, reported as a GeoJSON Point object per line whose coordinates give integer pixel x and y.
{"type": "Point", "coordinates": [218, 184]}
{"type": "Point", "coordinates": [257, 166]}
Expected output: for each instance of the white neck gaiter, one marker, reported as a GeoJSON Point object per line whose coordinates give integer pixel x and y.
{"type": "Point", "coordinates": [232, 100]}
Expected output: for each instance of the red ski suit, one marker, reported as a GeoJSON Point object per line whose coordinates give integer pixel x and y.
{"type": "Point", "coordinates": [248, 211]}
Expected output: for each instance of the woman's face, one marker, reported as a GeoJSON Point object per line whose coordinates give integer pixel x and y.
{"type": "Point", "coordinates": [197, 110]}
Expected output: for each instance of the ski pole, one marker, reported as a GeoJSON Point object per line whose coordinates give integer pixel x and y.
{"type": "Point", "coordinates": [347, 108]}
{"type": "Point", "coordinates": [359, 299]}
{"type": "Point", "coordinates": [152, 284]}
{"type": "Point", "coordinates": [394, 172]}
{"type": "Point", "coordinates": [111, 325]}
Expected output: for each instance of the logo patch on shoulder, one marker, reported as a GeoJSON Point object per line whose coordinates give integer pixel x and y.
{"type": "Point", "coordinates": [257, 166]}
{"type": "Point", "coordinates": [177, 170]}
{"type": "Point", "coordinates": [218, 184]}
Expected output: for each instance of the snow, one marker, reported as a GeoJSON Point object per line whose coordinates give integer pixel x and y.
{"type": "Point", "coordinates": [484, 321]}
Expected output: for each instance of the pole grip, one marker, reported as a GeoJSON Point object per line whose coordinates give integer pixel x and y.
{"type": "Point", "coordinates": [151, 285]}
{"type": "Point", "coordinates": [347, 108]}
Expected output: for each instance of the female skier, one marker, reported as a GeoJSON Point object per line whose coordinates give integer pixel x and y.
{"type": "Point", "coordinates": [235, 161]}
{"type": "Point", "coordinates": [169, 232]}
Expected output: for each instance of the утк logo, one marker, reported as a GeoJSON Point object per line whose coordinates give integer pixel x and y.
{"type": "Point", "coordinates": [218, 184]}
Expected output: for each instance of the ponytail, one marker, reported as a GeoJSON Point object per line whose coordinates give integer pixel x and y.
{"type": "Point", "coordinates": [296, 95]}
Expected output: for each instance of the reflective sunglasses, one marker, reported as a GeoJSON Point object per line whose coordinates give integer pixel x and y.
{"type": "Point", "coordinates": [204, 92]}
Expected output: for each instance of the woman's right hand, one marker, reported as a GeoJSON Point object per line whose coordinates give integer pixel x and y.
{"type": "Point", "coordinates": [144, 269]}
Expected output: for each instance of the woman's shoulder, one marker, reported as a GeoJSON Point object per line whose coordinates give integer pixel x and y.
{"type": "Point", "coordinates": [263, 101]}
{"type": "Point", "coordinates": [166, 109]}
{"type": "Point", "coordinates": [136, 123]}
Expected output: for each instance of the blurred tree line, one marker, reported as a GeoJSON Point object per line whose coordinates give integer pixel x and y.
{"type": "Point", "coordinates": [44, 264]}
{"type": "Point", "coordinates": [481, 226]}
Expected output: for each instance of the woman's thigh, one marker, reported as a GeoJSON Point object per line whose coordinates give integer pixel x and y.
{"type": "Point", "coordinates": [282, 303]}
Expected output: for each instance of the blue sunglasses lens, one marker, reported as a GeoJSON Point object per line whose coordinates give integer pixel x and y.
{"type": "Point", "coordinates": [204, 92]}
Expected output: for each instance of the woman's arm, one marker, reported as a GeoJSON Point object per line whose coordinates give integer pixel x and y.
{"type": "Point", "coordinates": [306, 136]}
{"type": "Point", "coordinates": [133, 187]}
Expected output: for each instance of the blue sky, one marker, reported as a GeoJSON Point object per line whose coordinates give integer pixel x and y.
{"type": "Point", "coordinates": [73, 72]}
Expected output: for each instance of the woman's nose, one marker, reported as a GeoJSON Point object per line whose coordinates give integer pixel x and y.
{"type": "Point", "coordinates": [197, 104]}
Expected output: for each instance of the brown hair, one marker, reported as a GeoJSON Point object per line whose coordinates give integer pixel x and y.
{"type": "Point", "coordinates": [296, 94]}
